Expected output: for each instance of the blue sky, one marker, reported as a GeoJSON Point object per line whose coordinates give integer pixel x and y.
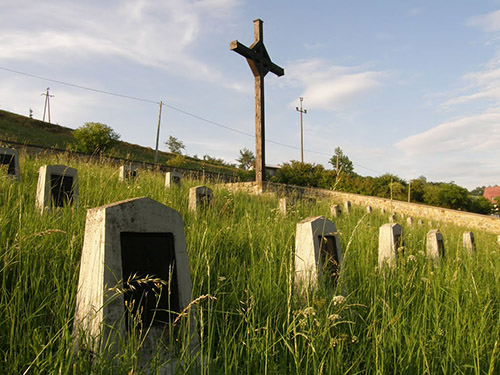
{"type": "Point", "coordinates": [404, 87]}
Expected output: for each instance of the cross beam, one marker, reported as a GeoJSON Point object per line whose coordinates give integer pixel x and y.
{"type": "Point", "coordinates": [260, 63]}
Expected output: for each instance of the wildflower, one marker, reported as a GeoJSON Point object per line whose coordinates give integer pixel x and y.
{"type": "Point", "coordinates": [332, 318]}
{"type": "Point", "coordinates": [411, 258]}
{"type": "Point", "coordinates": [354, 339]}
{"type": "Point", "coordinates": [309, 311]}
{"type": "Point", "coordinates": [338, 300]}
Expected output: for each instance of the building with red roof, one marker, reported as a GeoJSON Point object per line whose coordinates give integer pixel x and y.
{"type": "Point", "coordinates": [491, 193]}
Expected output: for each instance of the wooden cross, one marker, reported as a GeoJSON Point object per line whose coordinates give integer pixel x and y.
{"type": "Point", "coordinates": [260, 63]}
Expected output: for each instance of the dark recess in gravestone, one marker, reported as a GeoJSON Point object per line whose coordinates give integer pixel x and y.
{"type": "Point", "coordinates": [440, 243]}
{"type": "Point", "coordinates": [151, 255]}
{"type": "Point", "coordinates": [61, 189]}
{"type": "Point", "coordinates": [9, 160]}
{"type": "Point", "coordinates": [329, 256]}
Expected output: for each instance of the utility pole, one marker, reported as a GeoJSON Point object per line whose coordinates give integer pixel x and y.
{"type": "Point", "coordinates": [409, 190]}
{"type": "Point", "coordinates": [301, 130]}
{"type": "Point", "coordinates": [158, 133]}
{"type": "Point", "coordinates": [46, 107]}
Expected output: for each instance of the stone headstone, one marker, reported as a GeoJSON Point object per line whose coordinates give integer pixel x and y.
{"type": "Point", "coordinates": [392, 217]}
{"type": "Point", "coordinates": [127, 172]}
{"type": "Point", "coordinates": [390, 244]}
{"type": "Point", "coordinates": [9, 159]}
{"type": "Point", "coordinates": [57, 187]}
{"type": "Point", "coordinates": [435, 244]}
{"type": "Point", "coordinates": [468, 241]}
{"type": "Point", "coordinates": [369, 209]}
{"type": "Point", "coordinates": [420, 222]}
{"type": "Point", "coordinates": [335, 210]}
{"type": "Point", "coordinates": [172, 178]}
{"type": "Point", "coordinates": [134, 274]}
{"type": "Point", "coordinates": [284, 205]}
{"type": "Point", "coordinates": [317, 251]}
{"type": "Point", "coordinates": [200, 197]}
{"type": "Point", "coordinates": [498, 239]}
{"type": "Point", "coordinates": [383, 211]}
{"type": "Point", "coordinates": [347, 207]}
{"type": "Point", "coordinates": [409, 221]}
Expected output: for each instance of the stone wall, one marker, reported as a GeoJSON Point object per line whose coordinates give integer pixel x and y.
{"type": "Point", "coordinates": [486, 223]}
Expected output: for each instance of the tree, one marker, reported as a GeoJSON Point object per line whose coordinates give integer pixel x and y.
{"type": "Point", "coordinates": [246, 159]}
{"type": "Point", "coordinates": [94, 137]}
{"type": "Point", "coordinates": [341, 163]}
{"type": "Point", "coordinates": [175, 146]}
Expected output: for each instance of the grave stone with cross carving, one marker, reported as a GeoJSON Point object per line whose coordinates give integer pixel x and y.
{"type": "Point", "coordinates": [260, 63]}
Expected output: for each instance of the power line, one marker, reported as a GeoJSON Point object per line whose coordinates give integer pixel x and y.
{"type": "Point", "coordinates": [161, 103]}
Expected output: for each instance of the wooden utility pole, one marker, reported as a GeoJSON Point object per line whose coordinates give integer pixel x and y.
{"type": "Point", "coordinates": [302, 111]}
{"type": "Point", "coordinates": [46, 107]}
{"type": "Point", "coordinates": [260, 63]}
{"type": "Point", "coordinates": [158, 133]}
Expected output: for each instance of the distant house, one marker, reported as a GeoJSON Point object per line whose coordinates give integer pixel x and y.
{"type": "Point", "coordinates": [491, 193]}
{"type": "Point", "coordinates": [270, 169]}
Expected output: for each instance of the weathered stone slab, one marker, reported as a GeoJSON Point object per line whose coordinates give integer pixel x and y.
{"type": "Point", "coordinates": [435, 244]}
{"type": "Point", "coordinates": [335, 210]}
{"type": "Point", "coordinates": [134, 276]}
{"type": "Point", "coordinates": [57, 187]}
{"type": "Point", "coordinates": [317, 251]}
{"type": "Point", "coordinates": [200, 197]}
{"type": "Point", "coordinates": [409, 221]}
{"type": "Point", "coordinates": [469, 243]}
{"type": "Point", "coordinates": [172, 178]}
{"type": "Point", "coordinates": [347, 207]}
{"type": "Point", "coordinates": [127, 172]}
{"type": "Point", "coordinates": [369, 209]}
{"type": "Point", "coordinates": [390, 244]}
{"type": "Point", "coordinates": [10, 159]}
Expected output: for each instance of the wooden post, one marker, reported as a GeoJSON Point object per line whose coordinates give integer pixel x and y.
{"type": "Point", "coordinates": [260, 63]}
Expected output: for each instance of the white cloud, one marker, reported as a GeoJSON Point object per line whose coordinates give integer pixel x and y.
{"type": "Point", "coordinates": [488, 22]}
{"type": "Point", "coordinates": [473, 134]}
{"type": "Point", "coordinates": [160, 34]}
{"type": "Point", "coordinates": [331, 87]}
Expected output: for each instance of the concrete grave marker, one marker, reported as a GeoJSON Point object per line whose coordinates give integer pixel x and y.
{"type": "Point", "coordinates": [382, 211]}
{"type": "Point", "coordinates": [285, 204]}
{"type": "Point", "coordinates": [200, 197]}
{"type": "Point", "coordinates": [335, 210]}
{"type": "Point", "coordinates": [347, 207]}
{"type": "Point", "coordinates": [9, 159]}
{"type": "Point", "coordinates": [498, 239]}
{"type": "Point", "coordinates": [435, 244]}
{"type": "Point", "coordinates": [127, 172]}
{"type": "Point", "coordinates": [392, 217]}
{"type": "Point", "coordinates": [390, 244]}
{"type": "Point", "coordinates": [409, 221]}
{"type": "Point", "coordinates": [131, 246]}
{"type": "Point", "coordinates": [317, 251]}
{"type": "Point", "coordinates": [468, 241]}
{"type": "Point", "coordinates": [57, 187]}
{"type": "Point", "coordinates": [420, 222]}
{"type": "Point", "coordinates": [369, 209]}
{"type": "Point", "coordinates": [172, 178]}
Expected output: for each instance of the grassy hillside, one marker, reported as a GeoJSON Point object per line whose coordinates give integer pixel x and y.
{"type": "Point", "coordinates": [24, 130]}
{"type": "Point", "coordinates": [420, 318]}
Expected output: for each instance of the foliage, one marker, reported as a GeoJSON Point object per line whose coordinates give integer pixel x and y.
{"type": "Point", "coordinates": [340, 162]}
{"type": "Point", "coordinates": [246, 159]}
{"type": "Point", "coordinates": [303, 174]}
{"type": "Point", "coordinates": [94, 137]}
{"type": "Point", "coordinates": [480, 205]}
{"type": "Point", "coordinates": [177, 161]}
{"type": "Point", "coordinates": [478, 191]}
{"type": "Point", "coordinates": [175, 146]}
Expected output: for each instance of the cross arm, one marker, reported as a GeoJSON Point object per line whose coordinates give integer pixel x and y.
{"type": "Point", "coordinates": [241, 49]}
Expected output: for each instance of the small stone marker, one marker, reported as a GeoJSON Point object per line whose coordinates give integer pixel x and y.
{"type": "Point", "coordinates": [435, 244]}
{"type": "Point", "coordinates": [57, 187]}
{"type": "Point", "coordinates": [409, 221]}
{"type": "Point", "coordinates": [498, 239]}
{"type": "Point", "coordinates": [134, 264]}
{"type": "Point", "coordinates": [172, 178]}
{"type": "Point", "coordinates": [285, 204]}
{"type": "Point", "coordinates": [10, 158]}
{"type": "Point", "coordinates": [390, 244]}
{"type": "Point", "coordinates": [335, 210]}
{"type": "Point", "coordinates": [420, 222]}
{"type": "Point", "coordinates": [369, 209]}
{"type": "Point", "coordinates": [317, 251]}
{"type": "Point", "coordinates": [382, 211]}
{"type": "Point", "coordinates": [347, 207]}
{"type": "Point", "coordinates": [200, 197]}
{"type": "Point", "coordinates": [392, 217]}
{"type": "Point", "coordinates": [469, 243]}
{"type": "Point", "coordinates": [127, 172]}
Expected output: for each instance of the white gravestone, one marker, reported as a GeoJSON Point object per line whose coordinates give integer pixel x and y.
{"type": "Point", "coordinates": [10, 159]}
{"type": "Point", "coordinates": [200, 197]}
{"type": "Point", "coordinates": [382, 211]}
{"type": "Point", "coordinates": [392, 217]}
{"type": "Point", "coordinates": [335, 210]}
{"type": "Point", "coordinates": [435, 244]}
{"type": "Point", "coordinates": [127, 172]}
{"type": "Point", "coordinates": [498, 239]}
{"type": "Point", "coordinates": [390, 244]}
{"type": "Point", "coordinates": [284, 205]}
{"type": "Point", "coordinates": [347, 207]}
{"type": "Point", "coordinates": [317, 251]}
{"type": "Point", "coordinates": [126, 244]}
{"type": "Point", "coordinates": [420, 222]}
{"type": "Point", "coordinates": [172, 178]}
{"type": "Point", "coordinates": [57, 187]}
{"type": "Point", "coordinates": [369, 209]}
{"type": "Point", "coordinates": [409, 221]}
{"type": "Point", "coordinates": [468, 241]}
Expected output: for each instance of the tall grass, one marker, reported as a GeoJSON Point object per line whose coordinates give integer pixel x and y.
{"type": "Point", "coordinates": [418, 318]}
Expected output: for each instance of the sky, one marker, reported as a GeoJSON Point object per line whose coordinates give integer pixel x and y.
{"type": "Point", "coordinates": [410, 88]}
